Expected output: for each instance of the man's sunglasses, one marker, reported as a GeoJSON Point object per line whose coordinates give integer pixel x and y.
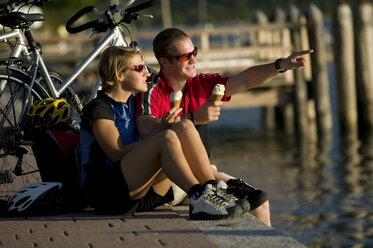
{"type": "Point", "coordinates": [138, 68]}
{"type": "Point", "coordinates": [186, 57]}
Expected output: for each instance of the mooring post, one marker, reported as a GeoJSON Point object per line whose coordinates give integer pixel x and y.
{"type": "Point", "coordinates": [300, 89]}
{"type": "Point", "coordinates": [284, 112]}
{"type": "Point", "coordinates": [364, 63]}
{"type": "Point", "coordinates": [320, 81]}
{"type": "Point", "coordinates": [264, 38]}
{"type": "Point", "coordinates": [344, 58]}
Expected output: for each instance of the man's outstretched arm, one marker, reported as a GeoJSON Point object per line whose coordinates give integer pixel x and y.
{"type": "Point", "coordinates": [260, 74]}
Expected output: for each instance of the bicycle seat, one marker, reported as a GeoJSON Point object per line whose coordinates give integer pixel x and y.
{"type": "Point", "coordinates": [16, 19]}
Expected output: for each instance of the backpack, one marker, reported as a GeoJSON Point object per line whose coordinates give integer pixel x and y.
{"type": "Point", "coordinates": [57, 153]}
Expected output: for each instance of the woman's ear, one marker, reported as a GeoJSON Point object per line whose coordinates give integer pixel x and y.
{"type": "Point", "coordinates": [120, 76]}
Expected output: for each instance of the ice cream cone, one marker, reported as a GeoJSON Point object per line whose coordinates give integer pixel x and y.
{"type": "Point", "coordinates": [175, 98]}
{"type": "Point", "coordinates": [218, 92]}
{"type": "Point", "coordinates": [175, 104]}
{"type": "Point", "coordinates": [216, 97]}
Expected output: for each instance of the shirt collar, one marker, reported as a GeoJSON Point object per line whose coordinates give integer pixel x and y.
{"type": "Point", "coordinates": [189, 82]}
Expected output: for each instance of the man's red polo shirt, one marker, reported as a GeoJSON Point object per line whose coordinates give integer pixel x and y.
{"type": "Point", "coordinates": [156, 101]}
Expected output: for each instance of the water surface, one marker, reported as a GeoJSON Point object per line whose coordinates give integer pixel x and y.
{"type": "Point", "coordinates": [321, 195]}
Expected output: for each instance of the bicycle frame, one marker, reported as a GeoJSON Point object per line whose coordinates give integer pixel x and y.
{"type": "Point", "coordinates": [115, 37]}
{"type": "Point", "coordinates": [20, 44]}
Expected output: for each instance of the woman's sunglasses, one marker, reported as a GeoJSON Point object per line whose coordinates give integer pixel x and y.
{"type": "Point", "coordinates": [186, 57]}
{"type": "Point", "coordinates": [138, 68]}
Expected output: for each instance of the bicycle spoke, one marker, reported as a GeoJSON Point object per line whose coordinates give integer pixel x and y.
{"type": "Point", "coordinates": [12, 102]}
{"type": "Point", "coordinates": [9, 105]}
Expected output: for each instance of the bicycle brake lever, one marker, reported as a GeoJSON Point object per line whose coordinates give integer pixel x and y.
{"type": "Point", "coordinates": [149, 16]}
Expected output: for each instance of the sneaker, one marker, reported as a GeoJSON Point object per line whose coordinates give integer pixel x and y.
{"type": "Point", "coordinates": [210, 206]}
{"type": "Point", "coordinates": [179, 196]}
{"type": "Point", "coordinates": [222, 191]}
{"type": "Point", "coordinates": [242, 190]}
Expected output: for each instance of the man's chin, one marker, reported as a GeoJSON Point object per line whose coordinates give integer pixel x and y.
{"type": "Point", "coordinates": [191, 74]}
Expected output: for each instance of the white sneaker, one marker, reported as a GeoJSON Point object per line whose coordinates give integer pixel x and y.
{"type": "Point", "coordinates": [210, 206]}
{"type": "Point", "coordinates": [179, 196]}
{"type": "Point", "coordinates": [221, 190]}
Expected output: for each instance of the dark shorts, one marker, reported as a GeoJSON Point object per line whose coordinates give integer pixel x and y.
{"type": "Point", "coordinates": [257, 198]}
{"type": "Point", "coordinates": [108, 193]}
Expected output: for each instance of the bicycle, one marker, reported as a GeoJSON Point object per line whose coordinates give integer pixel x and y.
{"type": "Point", "coordinates": [24, 78]}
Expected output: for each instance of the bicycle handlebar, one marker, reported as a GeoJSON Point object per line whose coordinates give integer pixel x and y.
{"type": "Point", "coordinates": [122, 5]}
{"type": "Point", "coordinates": [74, 18]}
{"type": "Point", "coordinates": [102, 24]}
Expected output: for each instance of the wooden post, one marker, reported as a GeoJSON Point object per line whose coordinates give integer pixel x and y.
{"type": "Point", "coordinates": [264, 38]}
{"type": "Point", "coordinates": [364, 63]}
{"type": "Point", "coordinates": [320, 81]}
{"type": "Point", "coordinates": [279, 17]}
{"type": "Point", "coordinates": [344, 58]}
{"type": "Point", "coordinates": [281, 36]}
{"type": "Point", "coordinates": [166, 13]}
{"type": "Point", "coordinates": [205, 45]}
{"type": "Point", "coordinates": [300, 89]}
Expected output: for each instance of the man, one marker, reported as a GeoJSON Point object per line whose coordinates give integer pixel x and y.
{"type": "Point", "coordinates": [176, 55]}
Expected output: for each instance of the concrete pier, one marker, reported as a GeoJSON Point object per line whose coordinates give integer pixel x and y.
{"type": "Point", "coordinates": [162, 227]}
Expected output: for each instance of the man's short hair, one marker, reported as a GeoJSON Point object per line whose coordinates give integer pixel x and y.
{"type": "Point", "coordinates": [164, 40]}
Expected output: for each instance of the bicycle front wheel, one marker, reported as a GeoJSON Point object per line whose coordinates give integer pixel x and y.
{"type": "Point", "coordinates": [17, 163]}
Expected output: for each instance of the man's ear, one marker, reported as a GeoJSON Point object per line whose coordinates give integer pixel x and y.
{"type": "Point", "coordinates": [163, 61]}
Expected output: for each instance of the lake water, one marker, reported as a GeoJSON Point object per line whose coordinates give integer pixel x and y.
{"type": "Point", "coordinates": [321, 200]}
{"type": "Point", "coordinates": [320, 195]}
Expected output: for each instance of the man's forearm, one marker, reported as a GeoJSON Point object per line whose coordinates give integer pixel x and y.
{"type": "Point", "coordinates": [250, 78]}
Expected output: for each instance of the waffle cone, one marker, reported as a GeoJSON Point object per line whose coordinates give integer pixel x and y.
{"type": "Point", "coordinates": [216, 97]}
{"type": "Point", "coordinates": [175, 104]}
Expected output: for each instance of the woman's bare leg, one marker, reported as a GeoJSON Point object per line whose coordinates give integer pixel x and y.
{"type": "Point", "coordinates": [160, 184]}
{"type": "Point", "coordinates": [162, 150]}
{"type": "Point", "coordinates": [194, 150]}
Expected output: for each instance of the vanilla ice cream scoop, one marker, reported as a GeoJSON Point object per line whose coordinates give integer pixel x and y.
{"type": "Point", "coordinates": [218, 92]}
{"type": "Point", "coordinates": [175, 98]}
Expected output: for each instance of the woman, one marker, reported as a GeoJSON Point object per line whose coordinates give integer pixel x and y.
{"type": "Point", "coordinates": [123, 173]}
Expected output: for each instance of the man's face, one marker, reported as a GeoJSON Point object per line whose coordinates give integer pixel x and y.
{"type": "Point", "coordinates": [182, 70]}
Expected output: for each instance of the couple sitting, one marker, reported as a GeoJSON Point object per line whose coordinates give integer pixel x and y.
{"type": "Point", "coordinates": [130, 166]}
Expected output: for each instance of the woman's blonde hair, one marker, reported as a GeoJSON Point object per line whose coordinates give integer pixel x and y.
{"type": "Point", "coordinates": [113, 60]}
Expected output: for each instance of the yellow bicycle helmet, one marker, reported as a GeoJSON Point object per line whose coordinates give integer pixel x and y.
{"type": "Point", "coordinates": [47, 112]}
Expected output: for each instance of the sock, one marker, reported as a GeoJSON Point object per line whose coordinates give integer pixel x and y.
{"type": "Point", "coordinates": [197, 188]}
{"type": "Point", "coordinates": [213, 182]}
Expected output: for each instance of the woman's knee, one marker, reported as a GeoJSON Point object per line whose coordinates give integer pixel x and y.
{"type": "Point", "coordinates": [169, 136]}
{"type": "Point", "coordinates": [184, 125]}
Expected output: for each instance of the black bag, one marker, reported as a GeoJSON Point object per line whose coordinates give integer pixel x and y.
{"type": "Point", "coordinates": [57, 153]}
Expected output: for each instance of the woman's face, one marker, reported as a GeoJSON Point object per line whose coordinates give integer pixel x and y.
{"type": "Point", "coordinates": [135, 77]}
